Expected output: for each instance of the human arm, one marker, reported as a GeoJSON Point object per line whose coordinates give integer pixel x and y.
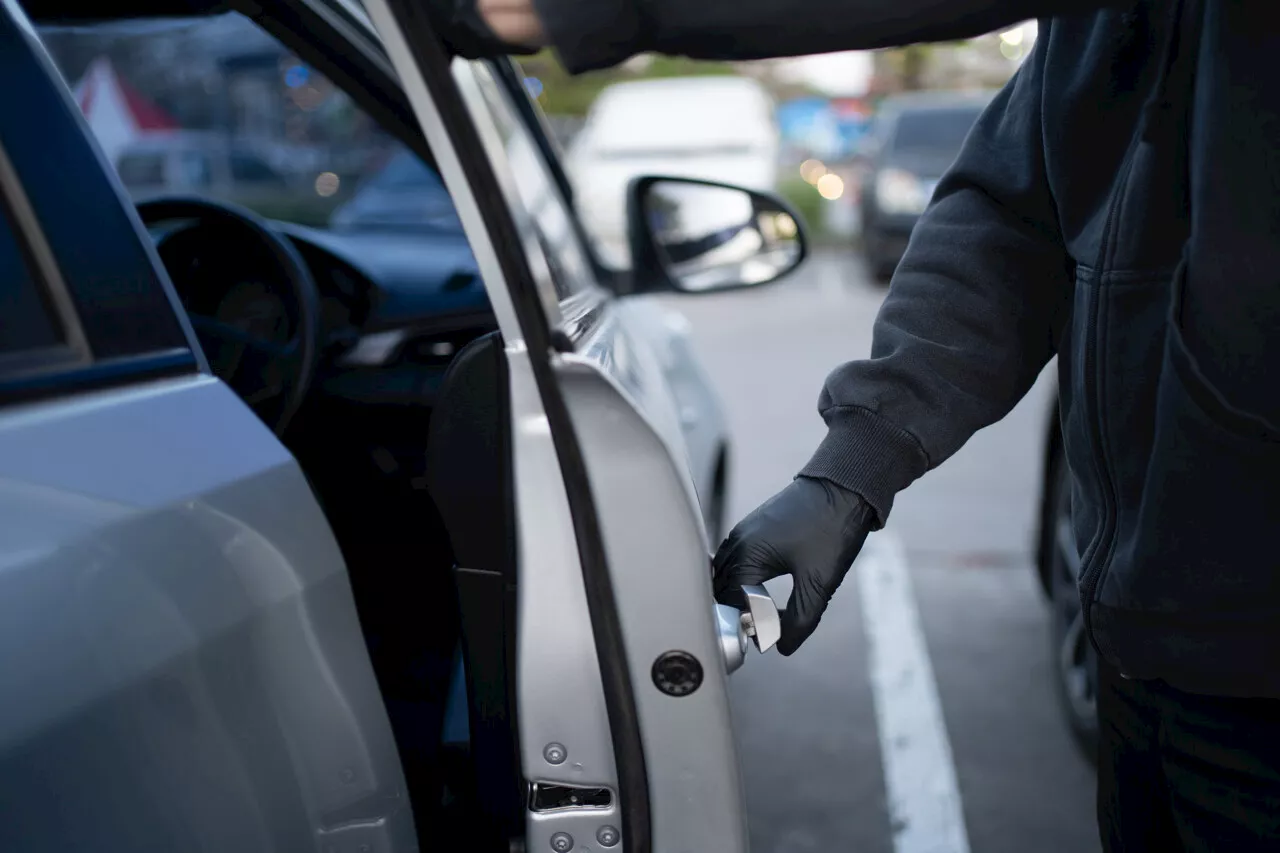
{"type": "Point", "coordinates": [973, 314]}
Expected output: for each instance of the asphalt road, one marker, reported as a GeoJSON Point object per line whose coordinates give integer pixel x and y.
{"type": "Point", "coordinates": [975, 752]}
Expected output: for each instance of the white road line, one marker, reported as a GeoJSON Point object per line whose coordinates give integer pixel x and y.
{"type": "Point", "coordinates": [919, 773]}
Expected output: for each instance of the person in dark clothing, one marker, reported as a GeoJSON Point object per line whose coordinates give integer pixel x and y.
{"type": "Point", "coordinates": [1118, 206]}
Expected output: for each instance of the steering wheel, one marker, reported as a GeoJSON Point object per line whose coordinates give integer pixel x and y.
{"type": "Point", "coordinates": [267, 356]}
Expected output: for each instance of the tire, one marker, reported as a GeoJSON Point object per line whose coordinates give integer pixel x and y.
{"type": "Point", "coordinates": [1075, 666]}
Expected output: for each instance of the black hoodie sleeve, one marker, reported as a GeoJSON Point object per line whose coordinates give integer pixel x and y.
{"type": "Point", "coordinates": [973, 313]}
{"type": "Point", "coordinates": [590, 34]}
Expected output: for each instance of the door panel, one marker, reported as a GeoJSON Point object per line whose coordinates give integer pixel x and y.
{"type": "Point", "coordinates": [616, 448]}
{"type": "Point", "coordinates": [626, 426]}
{"type": "Point", "coordinates": [566, 695]}
{"type": "Point", "coordinates": [192, 673]}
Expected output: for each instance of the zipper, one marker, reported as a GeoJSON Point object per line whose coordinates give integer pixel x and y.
{"type": "Point", "coordinates": [1096, 560]}
{"type": "Point", "coordinates": [1184, 17]}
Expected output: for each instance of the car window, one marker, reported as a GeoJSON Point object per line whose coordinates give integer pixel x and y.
{"type": "Point", "coordinates": [27, 322]}
{"type": "Point", "coordinates": [252, 124]}
{"type": "Point", "coordinates": [941, 130]}
{"type": "Point", "coordinates": [403, 194]}
{"type": "Point", "coordinates": [545, 204]}
{"type": "Point", "coordinates": [101, 311]}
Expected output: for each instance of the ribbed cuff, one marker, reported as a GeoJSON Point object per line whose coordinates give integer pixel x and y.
{"type": "Point", "coordinates": [592, 34]}
{"type": "Point", "coordinates": [867, 454]}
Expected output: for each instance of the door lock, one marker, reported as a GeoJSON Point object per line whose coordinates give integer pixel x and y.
{"type": "Point", "coordinates": [751, 618]}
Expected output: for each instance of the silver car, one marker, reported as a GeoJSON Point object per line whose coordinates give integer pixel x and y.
{"type": "Point", "coordinates": [332, 541]}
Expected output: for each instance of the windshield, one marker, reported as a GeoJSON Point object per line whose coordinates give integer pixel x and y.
{"type": "Point", "coordinates": [216, 106]}
{"type": "Point", "coordinates": [403, 194]}
{"type": "Point", "coordinates": [935, 131]}
{"type": "Point", "coordinates": [405, 172]}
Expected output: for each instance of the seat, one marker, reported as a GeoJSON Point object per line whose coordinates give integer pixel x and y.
{"type": "Point", "coordinates": [470, 479]}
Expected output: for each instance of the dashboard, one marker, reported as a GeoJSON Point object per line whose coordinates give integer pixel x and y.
{"type": "Point", "coordinates": [394, 307]}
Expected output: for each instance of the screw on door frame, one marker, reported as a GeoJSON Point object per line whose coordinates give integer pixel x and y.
{"type": "Point", "coordinates": [555, 753]}
{"type": "Point", "coordinates": [608, 836]}
{"type": "Point", "coordinates": [677, 673]}
{"type": "Point", "coordinates": [562, 842]}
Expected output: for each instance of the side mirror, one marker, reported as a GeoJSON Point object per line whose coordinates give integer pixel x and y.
{"type": "Point", "coordinates": [695, 236]}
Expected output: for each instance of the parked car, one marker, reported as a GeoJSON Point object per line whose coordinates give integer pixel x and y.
{"type": "Point", "coordinates": [1058, 563]}
{"type": "Point", "coordinates": [401, 218]}
{"type": "Point", "coordinates": [718, 128]}
{"type": "Point", "coordinates": [403, 195]}
{"type": "Point", "coordinates": [913, 140]}
{"type": "Point", "coordinates": [272, 506]}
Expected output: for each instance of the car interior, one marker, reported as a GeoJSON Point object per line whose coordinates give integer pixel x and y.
{"type": "Point", "coordinates": [374, 356]}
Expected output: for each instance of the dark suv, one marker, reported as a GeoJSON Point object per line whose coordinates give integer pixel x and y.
{"type": "Point", "coordinates": [914, 139]}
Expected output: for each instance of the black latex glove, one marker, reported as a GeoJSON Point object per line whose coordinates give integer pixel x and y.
{"type": "Point", "coordinates": [810, 530]}
{"type": "Point", "coordinates": [463, 29]}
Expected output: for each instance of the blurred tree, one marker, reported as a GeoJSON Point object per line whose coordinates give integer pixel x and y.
{"type": "Point", "coordinates": [905, 69]}
{"type": "Point", "coordinates": [914, 60]}
{"type": "Point", "coordinates": [976, 62]}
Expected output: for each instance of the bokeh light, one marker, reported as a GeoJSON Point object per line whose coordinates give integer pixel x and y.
{"type": "Point", "coordinates": [830, 187]}
{"type": "Point", "coordinates": [327, 184]}
{"type": "Point", "coordinates": [1010, 51]}
{"type": "Point", "coordinates": [1014, 36]}
{"type": "Point", "coordinates": [812, 170]}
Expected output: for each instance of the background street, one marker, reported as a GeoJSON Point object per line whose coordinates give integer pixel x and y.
{"type": "Point", "coordinates": [812, 757]}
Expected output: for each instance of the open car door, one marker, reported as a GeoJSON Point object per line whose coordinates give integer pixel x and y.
{"type": "Point", "coordinates": [625, 736]}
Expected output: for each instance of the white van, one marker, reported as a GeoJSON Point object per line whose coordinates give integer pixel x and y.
{"type": "Point", "coordinates": [715, 128]}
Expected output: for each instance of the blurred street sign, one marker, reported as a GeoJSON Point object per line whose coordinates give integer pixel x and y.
{"type": "Point", "coordinates": [826, 128]}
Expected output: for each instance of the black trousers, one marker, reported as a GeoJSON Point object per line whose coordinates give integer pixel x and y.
{"type": "Point", "coordinates": [1181, 773]}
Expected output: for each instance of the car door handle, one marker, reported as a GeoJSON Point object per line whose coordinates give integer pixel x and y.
{"type": "Point", "coordinates": [751, 618]}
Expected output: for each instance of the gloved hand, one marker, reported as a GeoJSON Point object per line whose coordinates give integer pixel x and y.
{"type": "Point", "coordinates": [478, 29]}
{"type": "Point", "coordinates": [810, 530]}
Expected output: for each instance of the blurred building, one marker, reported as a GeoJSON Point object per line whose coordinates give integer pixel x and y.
{"type": "Point", "coordinates": [119, 115]}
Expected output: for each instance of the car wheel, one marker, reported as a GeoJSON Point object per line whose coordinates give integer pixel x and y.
{"type": "Point", "coordinates": [1074, 659]}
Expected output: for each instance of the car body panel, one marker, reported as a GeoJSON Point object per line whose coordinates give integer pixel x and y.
{"type": "Point", "coordinates": [699, 412]}
{"type": "Point", "coordinates": [191, 637]}
{"type": "Point", "coordinates": [184, 664]}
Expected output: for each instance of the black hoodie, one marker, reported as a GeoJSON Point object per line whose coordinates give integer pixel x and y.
{"type": "Point", "coordinates": [1117, 205]}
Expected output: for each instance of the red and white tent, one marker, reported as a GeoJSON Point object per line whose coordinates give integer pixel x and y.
{"type": "Point", "coordinates": [117, 113]}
